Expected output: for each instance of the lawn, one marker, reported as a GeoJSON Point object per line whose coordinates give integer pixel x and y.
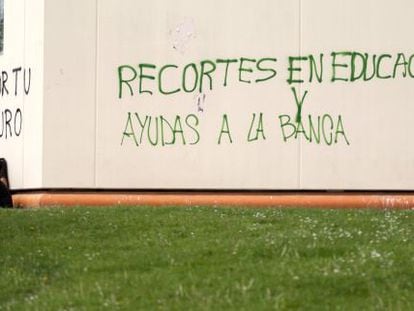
{"type": "Point", "coordinates": [206, 259]}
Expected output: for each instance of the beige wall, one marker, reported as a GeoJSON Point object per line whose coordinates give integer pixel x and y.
{"type": "Point", "coordinates": [377, 114]}
{"type": "Point", "coordinates": [80, 118]}
{"type": "Point", "coordinates": [69, 94]}
{"type": "Point", "coordinates": [23, 53]}
{"type": "Point", "coordinates": [181, 33]}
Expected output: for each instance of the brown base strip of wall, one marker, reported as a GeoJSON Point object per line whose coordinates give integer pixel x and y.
{"type": "Point", "coordinates": [219, 199]}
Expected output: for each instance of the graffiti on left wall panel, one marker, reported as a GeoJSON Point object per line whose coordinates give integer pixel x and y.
{"type": "Point", "coordinates": [14, 83]}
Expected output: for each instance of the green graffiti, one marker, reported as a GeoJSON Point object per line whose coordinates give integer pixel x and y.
{"type": "Point", "coordinates": [160, 87]}
{"type": "Point", "coordinates": [192, 122]}
{"type": "Point", "coordinates": [203, 76]}
{"type": "Point", "coordinates": [326, 127]}
{"type": "Point", "coordinates": [243, 69]}
{"type": "Point", "coordinates": [272, 72]}
{"type": "Point", "coordinates": [129, 131]}
{"type": "Point", "coordinates": [207, 73]}
{"type": "Point", "coordinates": [227, 62]}
{"type": "Point", "coordinates": [354, 66]}
{"type": "Point", "coordinates": [340, 131]}
{"type": "Point", "coordinates": [349, 66]}
{"type": "Point", "coordinates": [315, 70]}
{"type": "Point", "coordinates": [292, 69]}
{"type": "Point", "coordinates": [259, 129]}
{"type": "Point", "coordinates": [299, 104]}
{"type": "Point", "coordinates": [122, 80]}
{"type": "Point", "coordinates": [336, 65]}
{"type": "Point", "coordinates": [159, 131]}
{"type": "Point", "coordinates": [285, 122]}
{"type": "Point", "coordinates": [185, 76]}
{"type": "Point", "coordinates": [328, 131]}
{"type": "Point", "coordinates": [225, 129]}
{"type": "Point", "coordinates": [314, 131]}
{"type": "Point", "coordinates": [143, 76]}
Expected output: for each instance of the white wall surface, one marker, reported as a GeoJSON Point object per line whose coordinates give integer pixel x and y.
{"type": "Point", "coordinates": [33, 103]}
{"type": "Point", "coordinates": [93, 139]}
{"type": "Point", "coordinates": [69, 94]}
{"type": "Point", "coordinates": [180, 33]}
{"type": "Point", "coordinates": [377, 114]}
{"type": "Point", "coordinates": [22, 58]}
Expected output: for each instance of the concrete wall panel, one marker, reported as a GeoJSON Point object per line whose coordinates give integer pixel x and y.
{"type": "Point", "coordinates": [33, 101]}
{"type": "Point", "coordinates": [376, 114]}
{"type": "Point", "coordinates": [11, 97]}
{"type": "Point", "coordinates": [180, 34]}
{"type": "Point", "coordinates": [181, 94]}
{"type": "Point", "coordinates": [69, 94]}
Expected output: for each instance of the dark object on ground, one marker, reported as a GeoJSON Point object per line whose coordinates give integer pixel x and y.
{"type": "Point", "coordinates": [5, 196]}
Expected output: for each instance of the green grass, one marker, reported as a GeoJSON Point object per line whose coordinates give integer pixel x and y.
{"type": "Point", "coordinates": [206, 259]}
